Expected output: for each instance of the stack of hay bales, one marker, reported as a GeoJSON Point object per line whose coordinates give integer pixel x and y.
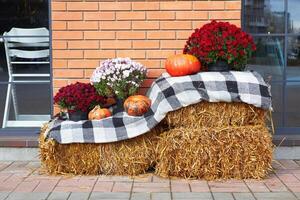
{"type": "Point", "coordinates": [205, 140]}
{"type": "Point", "coordinates": [215, 141]}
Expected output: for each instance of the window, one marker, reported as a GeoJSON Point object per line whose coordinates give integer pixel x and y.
{"type": "Point", "coordinates": [275, 26]}
{"type": "Point", "coordinates": [25, 81]}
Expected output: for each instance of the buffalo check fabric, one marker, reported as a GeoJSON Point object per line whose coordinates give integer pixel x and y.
{"type": "Point", "coordinates": [167, 94]}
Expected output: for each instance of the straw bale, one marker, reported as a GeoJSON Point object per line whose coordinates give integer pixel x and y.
{"type": "Point", "coordinates": [129, 157]}
{"type": "Point", "coordinates": [216, 114]}
{"type": "Point", "coordinates": [215, 153]}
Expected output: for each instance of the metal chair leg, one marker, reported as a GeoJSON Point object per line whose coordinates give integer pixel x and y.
{"type": "Point", "coordinates": [15, 102]}
{"type": "Point", "coordinates": [7, 106]}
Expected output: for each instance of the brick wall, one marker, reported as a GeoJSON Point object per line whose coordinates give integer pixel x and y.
{"type": "Point", "coordinates": [85, 32]}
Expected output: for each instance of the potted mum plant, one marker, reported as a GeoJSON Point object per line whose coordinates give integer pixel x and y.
{"type": "Point", "coordinates": [220, 46]}
{"type": "Point", "coordinates": [118, 78]}
{"type": "Point", "coordinates": [78, 99]}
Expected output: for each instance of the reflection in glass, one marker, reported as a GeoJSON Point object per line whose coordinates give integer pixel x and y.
{"type": "Point", "coordinates": [293, 16]}
{"type": "Point", "coordinates": [26, 102]}
{"type": "Point", "coordinates": [268, 59]}
{"type": "Point", "coordinates": [293, 59]}
{"type": "Point", "coordinates": [292, 104]}
{"type": "Point", "coordinates": [277, 96]}
{"type": "Point", "coordinates": [264, 16]}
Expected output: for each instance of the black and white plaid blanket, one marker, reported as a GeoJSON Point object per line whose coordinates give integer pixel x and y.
{"type": "Point", "coordinates": [167, 94]}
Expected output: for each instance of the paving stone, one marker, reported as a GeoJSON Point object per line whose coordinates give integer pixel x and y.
{"type": "Point", "coordinates": [192, 195]}
{"type": "Point", "coordinates": [79, 196]}
{"type": "Point", "coordinates": [222, 196]}
{"type": "Point", "coordinates": [243, 196]}
{"type": "Point", "coordinates": [58, 196]}
{"type": "Point", "coordinates": [275, 196]}
{"type": "Point", "coordinates": [140, 196]}
{"type": "Point", "coordinates": [151, 187]}
{"type": "Point", "coordinates": [122, 187]}
{"type": "Point", "coordinates": [161, 196]}
{"type": "Point", "coordinates": [110, 195]}
{"type": "Point", "coordinates": [28, 196]}
{"type": "Point", "coordinates": [3, 195]}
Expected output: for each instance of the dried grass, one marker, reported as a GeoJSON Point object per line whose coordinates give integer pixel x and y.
{"type": "Point", "coordinates": [215, 153]}
{"type": "Point", "coordinates": [216, 115]}
{"type": "Point", "coordinates": [205, 140]}
{"type": "Point", "coordinates": [129, 157]}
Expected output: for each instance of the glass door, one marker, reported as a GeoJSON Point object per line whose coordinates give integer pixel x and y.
{"type": "Point", "coordinates": [275, 26]}
{"type": "Point", "coordinates": [25, 75]}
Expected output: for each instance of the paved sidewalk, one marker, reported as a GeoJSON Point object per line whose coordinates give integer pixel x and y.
{"type": "Point", "coordinates": [22, 180]}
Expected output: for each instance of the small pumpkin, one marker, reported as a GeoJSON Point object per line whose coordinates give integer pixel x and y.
{"type": "Point", "coordinates": [182, 65]}
{"type": "Point", "coordinates": [99, 113]}
{"type": "Point", "coordinates": [137, 105]}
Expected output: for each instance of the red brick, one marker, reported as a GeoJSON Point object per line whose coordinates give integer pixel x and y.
{"type": "Point", "coordinates": [83, 64]}
{"type": "Point", "coordinates": [130, 15]}
{"type": "Point", "coordinates": [115, 44]}
{"type": "Point", "coordinates": [67, 54]}
{"type": "Point", "coordinates": [181, 15]}
{"type": "Point", "coordinates": [159, 54]}
{"type": "Point", "coordinates": [172, 44]}
{"type": "Point", "coordinates": [131, 53]}
{"type": "Point", "coordinates": [58, 83]}
{"type": "Point", "coordinates": [82, 6]}
{"type": "Point", "coordinates": [161, 34]}
{"type": "Point", "coordinates": [68, 73]}
{"type": "Point", "coordinates": [131, 34]}
{"type": "Point", "coordinates": [99, 54]}
{"type": "Point", "coordinates": [115, 6]}
{"type": "Point", "coordinates": [175, 25]}
{"type": "Point", "coordinates": [83, 44]}
{"type": "Point", "coordinates": [160, 15]}
{"type": "Point", "coordinates": [56, 63]}
{"type": "Point", "coordinates": [224, 15]}
{"type": "Point", "coordinates": [83, 25]}
{"type": "Point", "coordinates": [199, 24]}
{"type": "Point", "coordinates": [208, 5]}
{"type": "Point", "coordinates": [154, 73]}
{"type": "Point", "coordinates": [101, 35]}
{"type": "Point", "coordinates": [146, 44]}
{"type": "Point", "coordinates": [67, 16]}
{"type": "Point", "coordinates": [233, 5]}
{"type": "Point", "coordinates": [68, 35]}
{"type": "Point", "coordinates": [58, 44]}
{"type": "Point", "coordinates": [99, 16]}
{"type": "Point", "coordinates": [146, 25]}
{"type": "Point", "coordinates": [55, 6]}
{"type": "Point", "coordinates": [114, 25]}
{"type": "Point", "coordinates": [59, 25]}
{"type": "Point", "coordinates": [150, 63]}
{"type": "Point", "coordinates": [145, 6]}
{"type": "Point", "coordinates": [88, 73]}
{"type": "Point", "coordinates": [179, 5]}
{"type": "Point", "coordinates": [183, 34]}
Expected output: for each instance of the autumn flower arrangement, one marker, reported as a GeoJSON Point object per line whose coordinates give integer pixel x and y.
{"type": "Point", "coordinates": [221, 41]}
{"type": "Point", "coordinates": [78, 97]}
{"type": "Point", "coordinates": [118, 77]}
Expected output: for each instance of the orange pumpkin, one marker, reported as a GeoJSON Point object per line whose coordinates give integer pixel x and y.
{"type": "Point", "coordinates": [99, 113]}
{"type": "Point", "coordinates": [182, 65]}
{"type": "Point", "coordinates": [137, 105]}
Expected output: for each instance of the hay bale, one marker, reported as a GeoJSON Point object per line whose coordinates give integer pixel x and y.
{"type": "Point", "coordinates": [129, 157]}
{"type": "Point", "coordinates": [216, 114]}
{"type": "Point", "coordinates": [215, 153]}
{"type": "Point", "coordinates": [68, 158]}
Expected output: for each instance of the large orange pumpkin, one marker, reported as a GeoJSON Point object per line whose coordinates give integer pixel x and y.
{"type": "Point", "coordinates": [182, 65]}
{"type": "Point", "coordinates": [99, 113]}
{"type": "Point", "coordinates": [137, 105]}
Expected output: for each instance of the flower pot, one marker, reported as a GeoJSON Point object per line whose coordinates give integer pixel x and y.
{"type": "Point", "coordinates": [78, 115]}
{"type": "Point", "coordinates": [119, 106]}
{"type": "Point", "coordinates": [219, 66]}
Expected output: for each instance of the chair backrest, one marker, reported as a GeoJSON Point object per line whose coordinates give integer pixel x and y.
{"type": "Point", "coordinates": [27, 43]}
